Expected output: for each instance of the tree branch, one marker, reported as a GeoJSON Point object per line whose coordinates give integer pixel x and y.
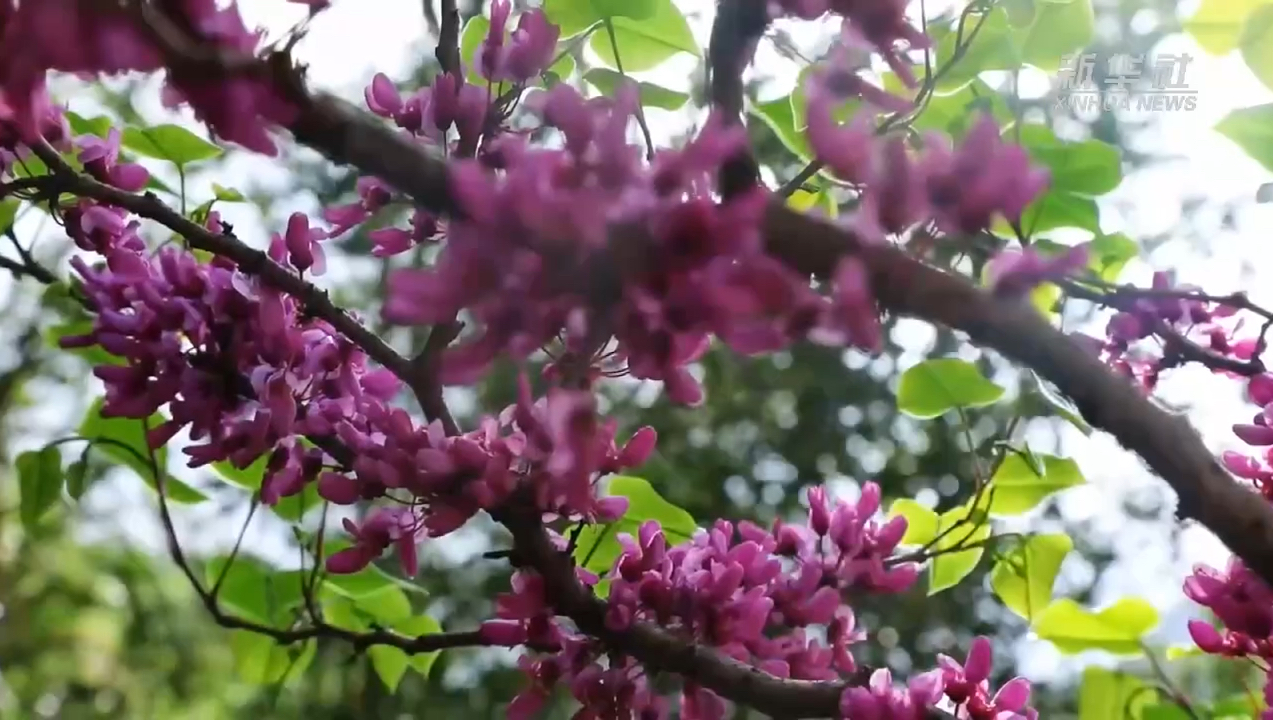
{"type": "Point", "coordinates": [738, 26]}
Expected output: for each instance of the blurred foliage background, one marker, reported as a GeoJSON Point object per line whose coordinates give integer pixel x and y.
{"type": "Point", "coordinates": [101, 625]}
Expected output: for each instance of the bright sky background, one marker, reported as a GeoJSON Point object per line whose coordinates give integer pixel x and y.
{"type": "Point", "coordinates": [358, 37]}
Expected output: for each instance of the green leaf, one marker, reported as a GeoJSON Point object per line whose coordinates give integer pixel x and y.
{"type": "Point", "coordinates": [1117, 629]}
{"type": "Point", "coordinates": [635, 9]}
{"type": "Point", "coordinates": [475, 31]}
{"type": "Point", "coordinates": [1109, 254]}
{"type": "Point", "coordinates": [1060, 404]}
{"type": "Point", "coordinates": [98, 125]}
{"type": "Point", "coordinates": [645, 44]}
{"type": "Point", "coordinates": [934, 387]}
{"type": "Point", "coordinates": [949, 567]}
{"type": "Point", "coordinates": [390, 664]}
{"type": "Point", "coordinates": [419, 626]}
{"type": "Point", "coordinates": [954, 113]}
{"type": "Point", "coordinates": [1023, 578]}
{"type": "Point", "coordinates": [225, 194]}
{"type": "Point", "coordinates": [1172, 711]}
{"type": "Point", "coordinates": [249, 477]}
{"type": "Point", "coordinates": [1091, 167]}
{"type": "Point", "coordinates": [1060, 28]}
{"type": "Point", "coordinates": [8, 213]}
{"type": "Point", "coordinates": [39, 483]}
{"type": "Point", "coordinates": [559, 71]}
{"type": "Point", "coordinates": [572, 16]}
{"type": "Point", "coordinates": [260, 660]}
{"type": "Point", "coordinates": [255, 591]}
{"type": "Point", "coordinates": [1079, 171]}
{"type": "Point", "coordinates": [780, 118]}
{"type": "Point", "coordinates": [597, 546]}
{"type": "Point", "coordinates": [169, 142]}
{"type": "Point", "coordinates": [607, 82]}
{"type": "Point", "coordinates": [124, 441]}
{"type": "Point", "coordinates": [993, 47]}
{"type": "Point", "coordinates": [1179, 652]}
{"type": "Point", "coordinates": [921, 522]}
{"type": "Point", "coordinates": [1257, 44]}
{"type": "Point", "coordinates": [94, 355]}
{"type": "Point", "coordinates": [295, 508]}
{"type": "Point", "coordinates": [1218, 24]}
{"type": "Point", "coordinates": [386, 606]}
{"type": "Point", "coordinates": [1252, 129]}
{"type": "Point", "coordinates": [819, 198]}
{"type": "Point", "coordinates": [1104, 695]}
{"type": "Point", "coordinates": [1016, 488]}
{"type": "Point", "coordinates": [77, 478]}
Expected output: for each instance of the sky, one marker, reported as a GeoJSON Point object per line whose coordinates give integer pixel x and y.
{"type": "Point", "coordinates": [355, 38]}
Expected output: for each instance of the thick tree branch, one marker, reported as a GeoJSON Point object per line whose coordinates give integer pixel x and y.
{"type": "Point", "coordinates": [738, 26]}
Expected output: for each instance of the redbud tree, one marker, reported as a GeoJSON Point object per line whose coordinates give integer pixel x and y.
{"type": "Point", "coordinates": [559, 227]}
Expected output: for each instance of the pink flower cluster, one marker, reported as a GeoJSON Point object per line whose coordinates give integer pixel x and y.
{"type": "Point", "coordinates": [82, 36]}
{"type": "Point", "coordinates": [238, 366]}
{"type": "Point", "coordinates": [1244, 606]}
{"type": "Point", "coordinates": [769, 598]}
{"type": "Point", "coordinates": [1124, 347]}
{"type": "Point", "coordinates": [961, 191]}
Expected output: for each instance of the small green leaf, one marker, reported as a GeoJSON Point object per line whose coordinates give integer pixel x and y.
{"type": "Point", "coordinates": [1105, 695]}
{"type": "Point", "coordinates": [950, 566]}
{"type": "Point", "coordinates": [645, 44]}
{"type": "Point", "coordinates": [1257, 44]}
{"type": "Point", "coordinates": [992, 48]}
{"type": "Point", "coordinates": [1117, 629]}
{"type": "Point", "coordinates": [597, 546]}
{"type": "Point", "coordinates": [607, 82]}
{"type": "Point", "coordinates": [8, 213]}
{"type": "Point", "coordinates": [1016, 488]}
{"type": "Point", "coordinates": [921, 522]}
{"type": "Point", "coordinates": [77, 478]}
{"type": "Point", "coordinates": [1109, 254]}
{"type": "Point", "coordinates": [780, 118]}
{"type": "Point", "coordinates": [1059, 29]}
{"type": "Point", "coordinates": [419, 626]}
{"type": "Point", "coordinates": [260, 660]}
{"type": "Point", "coordinates": [634, 9]}
{"type": "Point", "coordinates": [98, 125]}
{"type": "Point", "coordinates": [255, 591]}
{"type": "Point", "coordinates": [1178, 652]}
{"type": "Point", "coordinates": [1252, 129]}
{"type": "Point", "coordinates": [124, 441]}
{"type": "Point", "coordinates": [572, 16]}
{"type": "Point", "coordinates": [39, 483]}
{"type": "Point", "coordinates": [1060, 405]}
{"type": "Point", "coordinates": [390, 664]}
{"type": "Point", "coordinates": [475, 31]}
{"type": "Point", "coordinates": [1218, 24]}
{"type": "Point", "coordinates": [386, 606]}
{"type": "Point", "coordinates": [225, 194]}
{"type": "Point", "coordinates": [934, 387]}
{"type": "Point", "coordinates": [1023, 578]}
{"type": "Point", "coordinates": [1057, 209]}
{"type": "Point", "coordinates": [1091, 167]}
{"type": "Point", "coordinates": [296, 507]}
{"type": "Point", "coordinates": [169, 142]}
{"type": "Point", "coordinates": [249, 477]}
